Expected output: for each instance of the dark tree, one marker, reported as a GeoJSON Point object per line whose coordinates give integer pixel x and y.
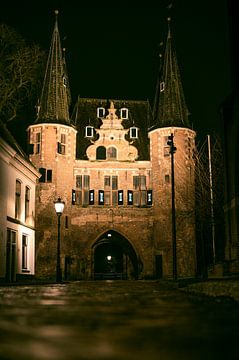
{"type": "Point", "coordinates": [21, 72]}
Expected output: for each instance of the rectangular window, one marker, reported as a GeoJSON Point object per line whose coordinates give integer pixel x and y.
{"type": "Point", "coordinates": [24, 252]}
{"type": "Point", "coordinates": [42, 171]}
{"type": "Point", "coordinates": [38, 143]}
{"type": "Point", "coordinates": [111, 190]}
{"type": "Point", "coordinates": [101, 197]}
{"type": "Point", "coordinates": [135, 182]}
{"type": "Point", "coordinates": [46, 175]}
{"type": "Point", "coordinates": [167, 178]}
{"type": "Point", "coordinates": [91, 197]}
{"type": "Point", "coordinates": [78, 194]}
{"type": "Point", "coordinates": [82, 189]}
{"type": "Point", "coordinates": [73, 197]}
{"type": "Point", "coordinates": [27, 202]}
{"type": "Point", "coordinates": [114, 182]}
{"type": "Point", "coordinates": [79, 181]}
{"type": "Point", "coordinates": [149, 197]}
{"type": "Point", "coordinates": [130, 197]}
{"type": "Point", "coordinates": [61, 146]}
{"type": "Point", "coordinates": [18, 200]}
{"type": "Point", "coordinates": [166, 149]}
{"type": "Point", "coordinates": [107, 181]}
{"type": "Point", "coordinates": [107, 198]}
{"type": "Point", "coordinates": [139, 186]}
{"type": "Point", "coordinates": [49, 176]}
{"type": "Point", "coordinates": [120, 197]}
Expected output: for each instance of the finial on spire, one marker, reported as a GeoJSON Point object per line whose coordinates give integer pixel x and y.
{"type": "Point", "coordinates": [56, 12]}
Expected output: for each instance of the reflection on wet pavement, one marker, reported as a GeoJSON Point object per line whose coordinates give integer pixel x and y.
{"type": "Point", "coordinates": [120, 320]}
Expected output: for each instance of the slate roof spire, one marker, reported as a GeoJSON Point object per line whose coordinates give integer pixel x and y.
{"type": "Point", "coordinates": [54, 102]}
{"type": "Point", "coordinates": [171, 109]}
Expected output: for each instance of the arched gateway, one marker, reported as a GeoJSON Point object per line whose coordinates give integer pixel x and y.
{"type": "Point", "coordinates": [114, 257]}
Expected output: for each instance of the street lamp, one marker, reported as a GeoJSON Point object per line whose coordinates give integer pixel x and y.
{"type": "Point", "coordinates": [174, 244]}
{"type": "Point", "coordinates": [59, 207]}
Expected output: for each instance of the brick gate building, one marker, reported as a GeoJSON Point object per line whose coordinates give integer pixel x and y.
{"type": "Point", "coordinates": [112, 169]}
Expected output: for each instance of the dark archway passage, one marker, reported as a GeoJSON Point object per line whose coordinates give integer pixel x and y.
{"type": "Point", "coordinates": [114, 258]}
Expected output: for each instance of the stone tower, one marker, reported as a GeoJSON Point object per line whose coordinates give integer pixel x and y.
{"type": "Point", "coordinates": [171, 117]}
{"type": "Point", "coordinates": [53, 142]}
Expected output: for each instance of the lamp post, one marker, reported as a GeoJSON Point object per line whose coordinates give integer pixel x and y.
{"type": "Point", "coordinates": [174, 244]}
{"type": "Point", "coordinates": [59, 207]}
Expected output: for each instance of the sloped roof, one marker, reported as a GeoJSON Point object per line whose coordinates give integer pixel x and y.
{"type": "Point", "coordinates": [169, 106]}
{"type": "Point", "coordinates": [54, 102]}
{"type": "Point", "coordinates": [140, 115]}
{"type": "Point", "coordinates": [10, 140]}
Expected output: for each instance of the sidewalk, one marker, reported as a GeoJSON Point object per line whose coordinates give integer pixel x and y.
{"type": "Point", "coordinates": [218, 287]}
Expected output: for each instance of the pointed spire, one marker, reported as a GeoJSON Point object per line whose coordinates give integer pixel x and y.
{"type": "Point", "coordinates": [54, 102]}
{"type": "Point", "coordinates": [171, 106]}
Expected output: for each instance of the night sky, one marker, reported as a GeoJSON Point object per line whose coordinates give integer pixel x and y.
{"type": "Point", "coordinates": [113, 48]}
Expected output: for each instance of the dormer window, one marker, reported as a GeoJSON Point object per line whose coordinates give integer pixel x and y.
{"type": "Point", "coordinates": [100, 112]}
{"type": "Point", "coordinates": [162, 86]}
{"type": "Point", "coordinates": [64, 81]}
{"type": "Point", "coordinates": [133, 132]}
{"type": "Point", "coordinates": [89, 132]}
{"type": "Point", "coordinates": [124, 113]}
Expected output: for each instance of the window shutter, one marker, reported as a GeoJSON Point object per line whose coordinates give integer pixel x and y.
{"type": "Point", "coordinates": [130, 197]}
{"type": "Point", "coordinates": [91, 197]}
{"type": "Point", "coordinates": [149, 197]}
{"type": "Point", "coordinates": [73, 197]}
{"type": "Point", "coordinates": [101, 197]}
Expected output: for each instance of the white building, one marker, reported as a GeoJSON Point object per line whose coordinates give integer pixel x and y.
{"type": "Point", "coordinates": [17, 211]}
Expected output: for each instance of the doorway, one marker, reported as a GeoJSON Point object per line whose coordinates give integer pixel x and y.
{"type": "Point", "coordinates": [114, 258]}
{"type": "Point", "coordinates": [11, 256]}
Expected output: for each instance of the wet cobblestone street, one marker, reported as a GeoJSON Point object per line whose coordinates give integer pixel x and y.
{"type": "Point", "coordinates": [120, 320]}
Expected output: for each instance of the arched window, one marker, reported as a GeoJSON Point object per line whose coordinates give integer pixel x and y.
{"type": "Point", "coordinates": [101, 153]}
{"type": "Point", "coordinates": [111, 153]}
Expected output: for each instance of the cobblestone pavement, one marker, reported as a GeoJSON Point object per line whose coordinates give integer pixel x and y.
{"type": "Point", "coordinates": [118, 320]}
